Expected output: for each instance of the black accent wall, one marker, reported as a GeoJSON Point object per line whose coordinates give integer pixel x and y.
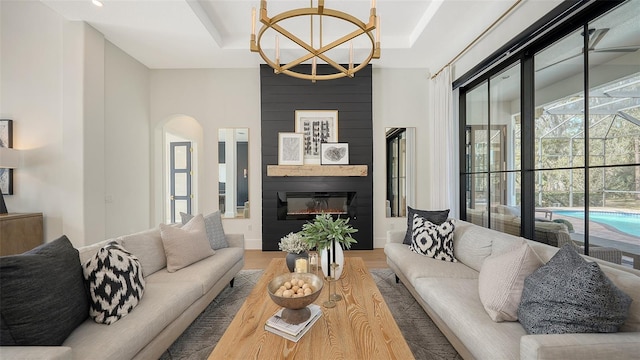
{"type": "Point", "coordinates": [281, 96]}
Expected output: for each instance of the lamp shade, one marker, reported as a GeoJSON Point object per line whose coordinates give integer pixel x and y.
{"type": "Point", "coordinates": [9, 158]}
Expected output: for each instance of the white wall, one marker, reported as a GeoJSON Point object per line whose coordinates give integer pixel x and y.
{"type": "Point", "coordinates": [400, 98]}
{"type": "Point", "coordinates": [216, 98]}
{"type": "Point", "coordinates": [31, 95]}
{"type": "Point", "coordinates": [127, 170]}
{"type": "Point", "coordinates": [527, 13]}
{"type": "Point", "coordinates": [53, 87]}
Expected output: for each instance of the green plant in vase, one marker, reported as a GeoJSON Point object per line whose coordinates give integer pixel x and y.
{"type": "Point", "coordinates": [295, 246]}
{"type": "Point", "coordinates": [329, 236]}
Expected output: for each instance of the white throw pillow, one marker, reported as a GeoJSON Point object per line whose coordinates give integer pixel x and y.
{"type": "Point", "coordinates": [186, 245]}
{"type": "Point", "coordinates": [501, 280]}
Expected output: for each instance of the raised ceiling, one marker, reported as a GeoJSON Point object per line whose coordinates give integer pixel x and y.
{"type": "Point", "coordinates": [185, 34]}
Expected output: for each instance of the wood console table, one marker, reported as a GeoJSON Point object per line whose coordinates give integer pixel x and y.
{"type": "Point", "coordinates": [20, 232]}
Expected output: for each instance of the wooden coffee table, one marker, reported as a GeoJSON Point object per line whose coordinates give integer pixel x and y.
{"type": "Point", "coordinates": [359, 327]}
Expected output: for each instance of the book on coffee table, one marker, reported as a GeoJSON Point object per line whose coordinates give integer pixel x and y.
{"type": "Point", "coordinates": [292, 332]}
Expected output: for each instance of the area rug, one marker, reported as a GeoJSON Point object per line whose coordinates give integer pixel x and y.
{"type": "Point", "coordinates": [424, 339]}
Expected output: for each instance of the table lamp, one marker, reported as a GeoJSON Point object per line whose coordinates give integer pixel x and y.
{"type": "Point", "coordinates": [9, 159]}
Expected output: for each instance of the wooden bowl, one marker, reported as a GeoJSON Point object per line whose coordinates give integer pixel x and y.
{"type": "Point", "coordinates": [296, 310]}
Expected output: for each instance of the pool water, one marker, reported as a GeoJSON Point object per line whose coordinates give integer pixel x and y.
{"type": "Point", "coordinates": [625, 222]}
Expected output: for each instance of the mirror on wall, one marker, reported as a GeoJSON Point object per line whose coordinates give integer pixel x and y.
{"type": "Point", "coordinates": [400, 147]}
{"type": "Point", "coordinates": [233, 172]}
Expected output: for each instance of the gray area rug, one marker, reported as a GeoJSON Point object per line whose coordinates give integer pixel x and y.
{"type": "Point", "coordinates": [424, 338]}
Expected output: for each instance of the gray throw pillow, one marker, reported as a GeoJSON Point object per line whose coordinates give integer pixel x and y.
{"type": "Point", "coordinates": [42, 295]}
{"type": "Point", "coordinates": [435, 216]}
{"type": "Point", "coordinates": [213, 226]}
{"type": "Point", "coordinates": [571, 295]}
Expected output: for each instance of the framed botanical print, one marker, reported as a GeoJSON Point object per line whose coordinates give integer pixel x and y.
{"type": "Point", "coordinates": [317, 127]}
{"type": "Point", "coordinates": [335, 154]}
{"type": "Point", "coordinates": [290, 148]}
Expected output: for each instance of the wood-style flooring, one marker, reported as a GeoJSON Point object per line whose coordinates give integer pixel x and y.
{"type": "Point", "coordinates": [258, 259]}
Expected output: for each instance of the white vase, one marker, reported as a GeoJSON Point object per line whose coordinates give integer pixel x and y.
{"type": "Point", "coordinates": [339, 259]}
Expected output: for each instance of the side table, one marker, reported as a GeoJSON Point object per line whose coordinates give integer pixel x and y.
{"type": "Point", "coordinates": [20, 232]}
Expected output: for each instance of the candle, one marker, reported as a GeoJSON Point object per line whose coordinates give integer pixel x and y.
{"type": "Point", "coordinates": [277, 50]}
{"type": "Point", "coordinates": [373, 4]}
{"type": "Point", "coordinates": [253, 21]}
{"type": "Point", "coordinates": [328, 262]}
{"type": "Point", "coordinates": [301, 265]}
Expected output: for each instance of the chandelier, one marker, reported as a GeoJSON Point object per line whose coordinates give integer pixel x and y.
{"type": "Point", "coordinates": [279, 23]}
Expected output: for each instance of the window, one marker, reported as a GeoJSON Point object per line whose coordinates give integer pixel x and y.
{"type": "Point", "coordinates": [560, 162]}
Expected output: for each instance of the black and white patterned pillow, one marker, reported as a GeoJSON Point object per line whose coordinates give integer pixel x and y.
{"type": "Point", "coordinates": [115, 282]}
{"type": "Point", "coordinates": [433, 240]}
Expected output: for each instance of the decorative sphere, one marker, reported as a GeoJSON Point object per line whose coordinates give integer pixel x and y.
{"type": "Point", "coordinates": [294, 303]}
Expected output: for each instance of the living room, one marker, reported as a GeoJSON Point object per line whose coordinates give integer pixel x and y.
{"type": "Point", "coordinates": [92, 121]}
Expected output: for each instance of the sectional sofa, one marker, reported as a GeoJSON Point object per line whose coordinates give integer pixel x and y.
{"type": "Point", "coordinates": [449, 293]}
{"type": "Point", "coordinates": [171, 301]}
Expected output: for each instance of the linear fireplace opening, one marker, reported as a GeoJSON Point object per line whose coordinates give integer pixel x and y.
{"type": "Point", "coordinates": [306, 205]}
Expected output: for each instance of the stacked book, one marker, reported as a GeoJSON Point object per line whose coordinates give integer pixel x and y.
{"type": "Point", "coordinates": [276, 325]}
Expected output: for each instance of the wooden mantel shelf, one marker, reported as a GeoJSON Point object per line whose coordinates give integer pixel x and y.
{"type": "Point", "coordinates": [317, 170]}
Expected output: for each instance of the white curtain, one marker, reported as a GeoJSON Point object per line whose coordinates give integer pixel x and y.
{"type": "Point", "coordinates": [442, 148]}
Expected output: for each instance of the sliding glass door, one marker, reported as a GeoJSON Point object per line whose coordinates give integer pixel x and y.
{"type": "Point", "coordinates": [571, 128]}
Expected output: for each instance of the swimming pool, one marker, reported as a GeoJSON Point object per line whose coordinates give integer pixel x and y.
{"type": "Point", "coordinates": [625, 222]}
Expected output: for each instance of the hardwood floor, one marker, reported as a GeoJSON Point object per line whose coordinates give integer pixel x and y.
{"type": "Point", "coordinates": [258, 259]}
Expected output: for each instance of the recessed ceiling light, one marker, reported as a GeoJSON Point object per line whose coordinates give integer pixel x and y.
{"type": "Point", "coordinates": [97, 3]}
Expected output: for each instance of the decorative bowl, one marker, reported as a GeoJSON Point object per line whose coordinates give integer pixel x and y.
{"type": "Point", "coordinates": [295, 309]}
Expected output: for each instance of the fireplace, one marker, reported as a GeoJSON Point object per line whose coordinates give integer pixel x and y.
{"type": "Point", "coordinates": [306, 205]}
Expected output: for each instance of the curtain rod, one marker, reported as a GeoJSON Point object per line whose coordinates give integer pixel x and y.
{"type": "Point", "coordinates": [471, 44]}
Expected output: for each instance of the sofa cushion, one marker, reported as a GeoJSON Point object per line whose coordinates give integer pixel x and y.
{"type": "Point", "coordinates": [161, 305]}
{"type": "Point", "coordinates": [457, 303]}
{"type": "Point", "coordinates": [571, 295]}
{"type": "Point", "coordinates": [415, 266]}
{"type": "Point", "coordinates": [435, 241]}
{"type": "Point", "coordinates": [213, 226]}
{"type": "Point", "coordinates": [472, 244]}
{"type": "Point", "coordinates": [207, 272]}
{"type": "Point", "coordinates": [114, 279]}
{"type": "Point", "coordinates": [435, 216]}
{"type": "Point", "coordinates": [42, 295]}
{"type": "Point", "coordinates": [147, 247]}
{"type": "Point", "coordinates": [501, 280]}
{"type": "Point", "coordinates": [185, 245]}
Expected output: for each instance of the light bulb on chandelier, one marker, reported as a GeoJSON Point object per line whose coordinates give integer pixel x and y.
{"type": "Point", "coordinates": [277, 23]}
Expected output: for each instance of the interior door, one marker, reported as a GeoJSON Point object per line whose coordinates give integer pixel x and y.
{"type": "Point", "coordinates": [180, 178]}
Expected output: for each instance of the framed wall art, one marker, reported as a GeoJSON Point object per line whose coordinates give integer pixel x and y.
{"type": "Point", "coordinates": [317, 126]}
{"type": "Point", "coordinates": [290, 148]}
{"type": "Point", "coordinates": [335, 154]}
{"type": "Point", "coordinates": [6, 140]}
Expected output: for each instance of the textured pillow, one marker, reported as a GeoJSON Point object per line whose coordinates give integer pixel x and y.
{"type": "Point", "coordinates": [114, 279]}
{"type": "Point", "coordinates": [571, 295]}
{"type": "Point", "coordinates": [437, 217]}
{"type": "Point", "coordinates": [213, 226]}
{"type": "Point", "coordinates": [42, 295]}
{"type": "Point", "coordinates": [147, 247]}
{"type": "Point", "coordinates": [433, 240]}
{"type": "Point", "coordinates": [501, 280]}
{"type": "Point", "coordinates": [186, 245]}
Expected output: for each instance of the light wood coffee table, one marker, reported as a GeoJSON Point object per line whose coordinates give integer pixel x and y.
{"type": "Point", "coordinates": [359, 327]}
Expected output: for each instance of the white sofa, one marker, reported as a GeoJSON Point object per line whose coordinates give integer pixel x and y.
{"type": "Point", "coordinates": [171, 301]}
{"type": "Point", "coordinates": [448, 292]}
